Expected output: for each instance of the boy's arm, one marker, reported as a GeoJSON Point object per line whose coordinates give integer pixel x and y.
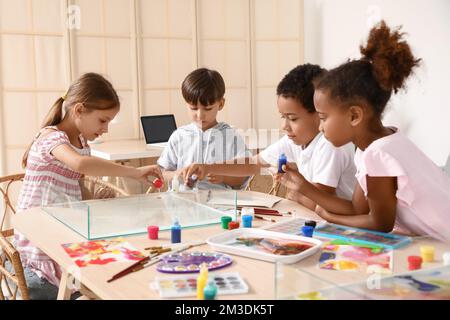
{"type": "Point", "coordinates": [243, 167]}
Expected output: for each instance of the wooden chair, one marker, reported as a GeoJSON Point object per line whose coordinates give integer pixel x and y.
{"type": "Point", "coordinates": [266, 183]}
{"type": "Point", "coordinates": [12, 279]}
{"type": "Point", "coordinates": [96, 188]}
{"type": "Point", "coordinates": [5, 184]}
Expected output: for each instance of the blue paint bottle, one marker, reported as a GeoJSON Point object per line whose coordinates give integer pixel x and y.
{"type": "Point", "coordinates": [176, 232]}
{"type": "Point", "coordinates": [282, 160]}
{"type": "Point", "coordinates": [307, 231]}
{"type": "Point", "coordinates": [247, 221]}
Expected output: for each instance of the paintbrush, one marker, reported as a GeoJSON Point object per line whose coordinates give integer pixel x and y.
{"type": "Point", "coordinates": [150, 263]}
{"type": "Point", "coordinates": [265, 218]}
{"type": "Point", "coordinates": [138, 265]}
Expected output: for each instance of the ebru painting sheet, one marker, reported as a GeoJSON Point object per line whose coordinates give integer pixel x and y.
{"type": "Point", "coordinates": [347, 256]}
{"type": "Point", "coordinates": [100, 252]}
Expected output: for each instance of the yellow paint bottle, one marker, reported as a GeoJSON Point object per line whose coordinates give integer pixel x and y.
{"type": "Point", "coordinates": [427, 253]}
{"type": "Point", "coordinates": [201, 281]}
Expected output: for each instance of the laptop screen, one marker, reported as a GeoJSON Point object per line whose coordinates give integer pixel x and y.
{"type": "Point", "coordinates": [158, 128]}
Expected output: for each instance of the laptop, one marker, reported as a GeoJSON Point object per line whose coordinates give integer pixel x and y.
{"type": "Point", "coordinates": [157, 129]}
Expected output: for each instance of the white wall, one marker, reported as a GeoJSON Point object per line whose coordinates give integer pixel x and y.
{"type": "Point", "coordinates": [334, 29]}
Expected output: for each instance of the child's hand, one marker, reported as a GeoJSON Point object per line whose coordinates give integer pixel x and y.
{"type": "Point", "coordinates": [200, 170]}
{"type": "Point", "coordinates": [291, 178]}
{"type": "Point", "coordinates": [321, 212]}
{"type": "Point", "coordinates": [213, 178]}
{"type": "Point", "coordinates": [292, 195]}
{"type": "Point", "coordinates": [143, 173]}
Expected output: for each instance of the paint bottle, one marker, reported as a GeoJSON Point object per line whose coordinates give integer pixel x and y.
{"type": "Point", "coordinates": [307, 231]}
{"type": "Point", "coordinates": [446, 258]}
{"type": "Point", "coordinates": [210, 291]}
{"type": "Point", "coordinates": [175, 184]}
{"type": "Point", "coordinates": [247, 221]}
{"type": "Point", "coordinates": [176, 232]}
{"type": "Point", "coordinates": [192, 181]}
{"type": "Point", "coordinates": [152, 232]}
{"type": "Point", "coordinates": [201, 281]}
{"type": "Point", "coordinates": [225, 220]}
{"type": "Point", "coordinates": [233, 225]}
{"type": "Point", "coordinates": [282, 160]}
{"type": "Point", "coordinates": [157, 183]}
{"type": "Point", "coordinates": [427, 253]}
{"type": "Point", "coordinates": [414, 262]}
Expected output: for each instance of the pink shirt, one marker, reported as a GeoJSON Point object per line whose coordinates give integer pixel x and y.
{"type": "Point", "coordinates": [47, 180]}
{"type": "Point", "coordinates": [423, 194]}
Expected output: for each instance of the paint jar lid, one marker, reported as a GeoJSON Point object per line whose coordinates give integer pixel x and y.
{"type": "Point", "coordinates": [152, 228]}
{"type": "Point", "coordinates": [426, 249]}
{"type": "Point", "coordinates": [157, 183]}
{"type": "Point", "coordinates": [311, 223]}
{"type": "Point", "coordinates": [247, 211]}
{"type": "Point", "coordinates": [176, 223]}
{"type": "Point", "coordinates": [247, 218]}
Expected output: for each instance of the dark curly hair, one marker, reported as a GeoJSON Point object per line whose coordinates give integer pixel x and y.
{"type": "Point", "coordinates": [387, 61]}
{"type": "Point", "coordinates": [203, 85]}
{"type": "Point", "coordinates": [298, 84]}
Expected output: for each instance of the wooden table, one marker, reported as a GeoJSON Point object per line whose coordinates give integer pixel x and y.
{"type": "Point", "coordinates": [123, 150]}
{"type": "Point", "coordinates": [259, 275]}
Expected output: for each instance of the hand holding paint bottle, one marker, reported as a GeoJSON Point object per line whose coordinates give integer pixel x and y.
{"type": "Point", "coordinates": [282, 161]}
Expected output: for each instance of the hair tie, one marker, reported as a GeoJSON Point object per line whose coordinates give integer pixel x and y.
{"type": "Point", "coordinates": [64, 96]}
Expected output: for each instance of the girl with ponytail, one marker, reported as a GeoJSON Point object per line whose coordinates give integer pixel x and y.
{"type": "Point", "coordinates": [59, 156]}
{"type": "Point", "coordinates": [399, 187]}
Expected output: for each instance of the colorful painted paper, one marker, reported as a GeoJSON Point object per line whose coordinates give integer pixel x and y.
{"type": "Point", "coordinates": [347, 256]}
{"type": "Point", "coordinates": [101, 252]}
{"type": "Point", "coordinates": [432, 284]}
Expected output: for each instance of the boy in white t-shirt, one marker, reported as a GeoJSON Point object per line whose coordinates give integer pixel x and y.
{"type": "Point", "coordinates": [330, 169]}
{"type": "Point", "coordinates": [204, 140]}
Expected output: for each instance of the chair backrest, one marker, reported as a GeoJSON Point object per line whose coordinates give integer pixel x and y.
{"type": "Point", "coordinates": [12, 277]}
{"type": "Point", "coordinates": [266, 183]}
{"type": "Point", "coordinates": [99, 189]}
{"type": "Point", "coordinates": [5, 184]}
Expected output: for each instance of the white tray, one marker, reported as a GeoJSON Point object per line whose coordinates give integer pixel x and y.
{"type": "Point", "coordinates": [222, 242]}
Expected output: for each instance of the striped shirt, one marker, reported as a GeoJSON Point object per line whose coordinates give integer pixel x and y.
{"type": "Point", "coordinates": [47, 180]}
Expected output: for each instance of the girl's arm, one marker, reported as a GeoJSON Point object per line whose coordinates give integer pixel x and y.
{"type": "Point", "coordinates": [293, 180]}
{"type": "Point", "coordinates": [94, 166]}
{"type": "Point", "coordinates": [382, 201]}
{"type": "Point", "coordinates": [305, 201]}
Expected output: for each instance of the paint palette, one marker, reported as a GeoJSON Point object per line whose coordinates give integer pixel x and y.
{"type": "Point", "coordinates": [189, 262]}
{"type": "Point", "coordinates": [291, 226]}
{"type": "Point", "coordinates": [385, 240]}
{"type": "Point", "coordinates": [186, 285]}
